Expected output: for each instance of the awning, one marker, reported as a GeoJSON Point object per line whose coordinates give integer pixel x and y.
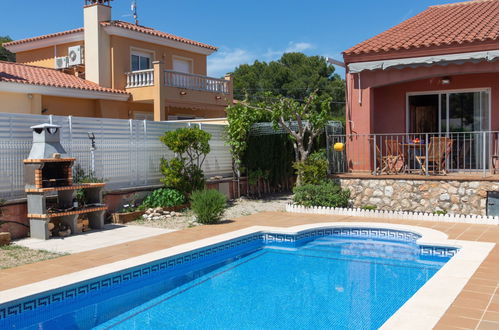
{"type": "Point", "coordinates": [413, 62]}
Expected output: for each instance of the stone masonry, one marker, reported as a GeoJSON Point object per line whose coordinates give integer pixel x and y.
{"type": "Point", "coordinates": [454, 197]}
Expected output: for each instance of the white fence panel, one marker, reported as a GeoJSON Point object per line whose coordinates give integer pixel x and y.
{"type": "Point", "coordinates": [128, 152]}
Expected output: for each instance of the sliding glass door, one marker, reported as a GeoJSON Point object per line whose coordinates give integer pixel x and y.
{"type": "Point", "coordinates": [459, 115]}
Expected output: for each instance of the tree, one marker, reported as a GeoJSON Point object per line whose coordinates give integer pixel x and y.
{"type": "Point", "coordinates": [6, 55]}
{"type": "Point", "coordinates": [304, 121]}
{"type": "Point", "coordinates": [294, 75]}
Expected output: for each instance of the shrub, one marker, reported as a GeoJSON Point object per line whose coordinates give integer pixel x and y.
{"type": "Point", "coordinates": [369, 207]}
{"type": "Point", "coordinates": [208, 205]}
{"type": "Point", "coordinates": [326, 194]}
{"type": "Point", "coordinates": [164, 197]}
{"type": "Point", "coordinates": [184, 173]}
{"type": "Point", "coordinates": [80, 176]}
{"type": "Point", "coordinates": [313, 170]}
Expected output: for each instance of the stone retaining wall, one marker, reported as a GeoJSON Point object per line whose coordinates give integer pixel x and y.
{"type": "Point", "coordinates": [455, 197]}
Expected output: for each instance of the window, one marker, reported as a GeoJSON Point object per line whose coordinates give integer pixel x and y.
{"type": "Point", "coordinates": [143, 115]}
{"type": "Point", "coordinates": [141, 61]}
{"type": "Point", "coordinates": [182, 65]}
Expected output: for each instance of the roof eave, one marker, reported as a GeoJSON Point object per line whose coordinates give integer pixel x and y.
{"type": "Point", "coordinates": [45, 42]}
{"type": "Point", "coordinates": [26, 88]}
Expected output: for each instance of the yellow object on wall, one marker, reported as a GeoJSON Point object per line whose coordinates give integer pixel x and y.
{"type": "Point", "coordinates": [338, 146]}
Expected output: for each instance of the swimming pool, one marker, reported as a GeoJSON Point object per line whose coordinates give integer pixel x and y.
{"type": "Point", "coordinates": [342, 278]}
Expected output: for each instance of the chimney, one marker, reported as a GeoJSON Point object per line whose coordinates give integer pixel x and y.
{"type": "Point", "coordinates": [97, 42]}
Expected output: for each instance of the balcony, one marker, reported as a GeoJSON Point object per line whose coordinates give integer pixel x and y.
{"type": "Point", "coordinates": [142, 78]}
{"type": "Point", "coordinates": [145, 78]}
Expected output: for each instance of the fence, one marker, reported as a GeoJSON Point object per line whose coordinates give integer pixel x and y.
{"type": "Point", "coordinates": [128, 151]}
{"type": "Point", "coordinates": [416, 153]}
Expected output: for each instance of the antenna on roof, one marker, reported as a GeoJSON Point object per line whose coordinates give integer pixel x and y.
{"type": "Point", "coordinates": [134, 11]}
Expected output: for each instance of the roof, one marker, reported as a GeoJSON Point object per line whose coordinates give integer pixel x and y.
{"type": "Point", "coordinates": [153, 32]}
{"type": "Point", "coordinates": [34, 75]}
{"type": "Point", "coordinates": [442, 25]}
{"type": "Point", "coordinates": [46, 36]}
{"type": "Point", "coordinates": [120, 24]}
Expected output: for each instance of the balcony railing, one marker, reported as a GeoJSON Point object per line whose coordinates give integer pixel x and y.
{"type": "Point", "coordinates": [196, 82]}
{"type": "Point", "coordinates": [416, 153]}
{"type": "Point", "coordinates": [140, 78]}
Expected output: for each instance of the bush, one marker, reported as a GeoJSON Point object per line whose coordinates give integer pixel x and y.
{"type": "Point", "coordinates": [208, 205]}
{"type": "Point", "coordinates": [164, 197]}
{"type": "Point", "coordinates": [326, 194]}
{"type": "Point", "coordinates": [184, 173]}
{"type": "Point", "coordinates": [314, 169]}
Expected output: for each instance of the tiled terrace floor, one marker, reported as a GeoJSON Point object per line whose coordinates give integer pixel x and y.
{"type": "Point", "coordinates": [477, 307]}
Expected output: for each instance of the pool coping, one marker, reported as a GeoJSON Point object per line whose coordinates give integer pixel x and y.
{"type": "Point", "coordinates": [423, 310]}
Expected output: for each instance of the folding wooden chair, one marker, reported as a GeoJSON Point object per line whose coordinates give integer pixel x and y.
{"type": "Point", "coordinates": [438, 151]}
{"type": "Point", "coordinates": [395, 156]}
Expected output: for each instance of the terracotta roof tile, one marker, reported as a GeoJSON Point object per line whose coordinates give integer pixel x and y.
{"type": "Point", "coordinates": [34, 75]}
{"type": "Point", "coordinates": [450, 24]}
{"type": "Point", "coordinates": [153, 32]}
{"type": "Point", "coordinates": [46, 36]}
{"type": "Point", "coordinates": [120, 24]}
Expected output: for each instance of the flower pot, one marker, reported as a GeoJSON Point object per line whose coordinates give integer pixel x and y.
{"type": "Point", "coordinates": [126, 217]}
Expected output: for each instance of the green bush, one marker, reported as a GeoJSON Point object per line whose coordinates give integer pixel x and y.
{"type": "Point", "coordinates": [326, 194]}
{"type": "Point", "coordinates": [184, 173]}
{"type": "Point", "coordinates": [369, 207]}
{"type": "Point", "coordinates": [208, 205]}
{"type": "Point", "coordinates": [314, 169]}
{"type": "Point", "coordinates": [164, 197]}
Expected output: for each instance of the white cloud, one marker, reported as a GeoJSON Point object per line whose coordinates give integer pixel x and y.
{"type": "Point", "coordinates": [294, 47]}
{"type": "Point", "coordinates": [227, 60]}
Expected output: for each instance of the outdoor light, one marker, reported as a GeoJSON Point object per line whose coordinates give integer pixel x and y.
{"type": "Point", "coordinates": [445, 81]}
{"type": "Point", "coordinates": [218, 97]}
{"type": "Point", "coordinates": [183, 93]}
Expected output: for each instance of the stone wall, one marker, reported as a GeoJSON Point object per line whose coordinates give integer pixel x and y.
{"type": "Point", "coordinates": [455, 197]}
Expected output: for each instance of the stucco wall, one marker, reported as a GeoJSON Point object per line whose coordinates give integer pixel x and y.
{"type": "Point", "coordinates": [20, 103]}
{"type": "Point", "coordinates": [45, 57]}
{"type": "Point", "coordinates": [455, 197]}
{"type": "Point", "coordinates": [64, 106]}
{"type": "Point", "coordinates": [390, 101]}
{"type": "Point", "coordinates": [121, 52]}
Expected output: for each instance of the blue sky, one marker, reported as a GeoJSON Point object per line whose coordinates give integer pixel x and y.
{"type": "Point", "coordinates": [243, 30]}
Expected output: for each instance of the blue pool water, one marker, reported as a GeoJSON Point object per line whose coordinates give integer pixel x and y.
{"type": "Point", "coordinates": [327, 282]}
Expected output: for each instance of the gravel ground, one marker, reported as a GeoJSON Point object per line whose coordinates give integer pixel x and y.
{"type": "Point", "coordinates": [237, 208]}
{"type": "Point", "coordinates": [13, 256]}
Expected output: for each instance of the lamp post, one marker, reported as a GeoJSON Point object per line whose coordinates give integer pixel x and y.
{"type": "Point", "coordinates": [91, 136]}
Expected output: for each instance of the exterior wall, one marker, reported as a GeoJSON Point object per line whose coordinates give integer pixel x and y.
{"type": "Point", "coordinates": [64, 106]}
{"type": "Point", "coordinates": [121, 49]}
{"type": "Point", "coordinates": [364, 105]}
{"type": "Point", "coordinates": [390, 101]}
{"type": "Point", "coordinates": [20, 103]}
{"type": "Point", "coordinates": [455, 197]}
{"type": "Point", "coordinates": [45, 57]}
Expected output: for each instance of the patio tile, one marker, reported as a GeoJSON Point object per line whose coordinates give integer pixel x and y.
{"type": "Point", "coordinates": [491, 316]}
{"type": "Point", "coordinates": [487, 325]}
{"type": "Point", "coordinates": [458, 321]}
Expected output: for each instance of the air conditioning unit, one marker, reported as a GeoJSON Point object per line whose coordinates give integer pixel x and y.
{"type": "Point", "coordinates": [61, 62]}
{"type": "Point", "coordinates": [75, 55]}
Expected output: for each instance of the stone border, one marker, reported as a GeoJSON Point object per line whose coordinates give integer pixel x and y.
{"type": "Point", "coordinates": [423, 310]}
{"type": "Point", "coordinates": [400, 215]}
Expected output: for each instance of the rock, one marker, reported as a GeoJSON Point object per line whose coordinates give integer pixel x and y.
{"type": "Point", "coordinates": [444, 197]}
{"type": "Point", "coordinates": [145, 216]}
{"type": "Point", "coordinates": [158, 209]}
{"type": "Point", "coordinates": [156, 218]}
{"type": "Point", "coordinates": [168, 216]}
{"type": "Point", "coordinates": [5, 238]}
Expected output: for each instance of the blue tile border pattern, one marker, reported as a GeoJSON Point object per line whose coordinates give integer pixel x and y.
{"type": "Point", "coordinates": [68, 292]}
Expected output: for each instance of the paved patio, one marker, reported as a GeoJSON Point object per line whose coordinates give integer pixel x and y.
{"type": "Point", "coordinates": [91, 240]}
{"type": "Point", "coordinates": [477, 307]}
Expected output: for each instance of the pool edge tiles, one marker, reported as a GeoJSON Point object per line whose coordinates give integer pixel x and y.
{"type": "Point", "coordinates": [431, 242]}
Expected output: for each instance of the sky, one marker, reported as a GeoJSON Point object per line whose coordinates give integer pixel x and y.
{"type": "Point", "coordinates": [244, 31]}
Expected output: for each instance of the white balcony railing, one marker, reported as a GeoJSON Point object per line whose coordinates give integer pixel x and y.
{"type": "Point", "coordinates": [196, 82]}
{"type": "Point", "coordinates": [140, 78]}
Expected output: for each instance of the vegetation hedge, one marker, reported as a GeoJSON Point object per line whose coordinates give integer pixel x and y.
{"type": "Point", "coordinates": [208, 205]}
{"type": "Point", "coordinates": [327, 193]}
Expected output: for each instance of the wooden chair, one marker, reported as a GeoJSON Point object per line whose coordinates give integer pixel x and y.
{"type": "Point", "coordinates": [494, 157]}
{"type": "Point", "coordinates": [395, 156]}
{"type": "Point", "coordinates": [438, 151]}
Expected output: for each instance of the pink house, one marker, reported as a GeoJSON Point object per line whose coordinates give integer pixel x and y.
{"type": "Point", "coordinates": [423, 96]}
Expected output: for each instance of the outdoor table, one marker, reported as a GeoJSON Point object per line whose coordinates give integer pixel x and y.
{"type": "Point", "coordinates": [412, 150]}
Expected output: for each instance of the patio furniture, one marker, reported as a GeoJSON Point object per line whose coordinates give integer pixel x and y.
{"type": "Point", "coordinates": [395, 156]}
{"type": "Point", "coordinates": [411, 151]}
{"type": "Point", "coordinates": [438, 151]}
